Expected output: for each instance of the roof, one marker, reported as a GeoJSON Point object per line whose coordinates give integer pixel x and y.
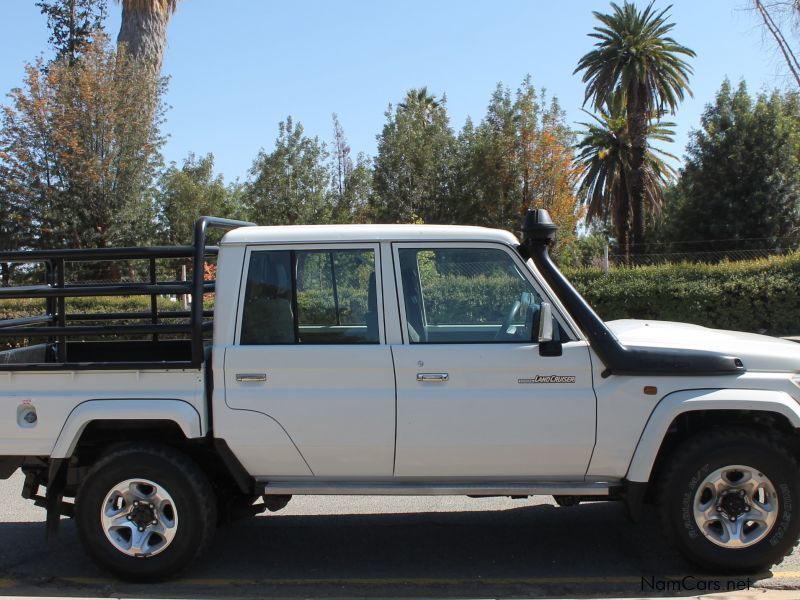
{"type": "Point", "coordinates": [292, 234]}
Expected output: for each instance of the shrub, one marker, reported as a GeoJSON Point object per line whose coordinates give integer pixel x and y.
{"type": "Point", "coordinates": [32, 307]}
{"type": "Point", "coordinates": [759, 296]}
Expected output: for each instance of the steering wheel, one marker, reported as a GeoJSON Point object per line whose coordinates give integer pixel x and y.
{"type": "Point", "coordinates": [512, 313]}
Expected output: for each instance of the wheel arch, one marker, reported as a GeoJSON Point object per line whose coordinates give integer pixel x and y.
{"type": "Point", "coordinates": [668, 421]}
{"type": "Point", "coordinates": [174, 414]}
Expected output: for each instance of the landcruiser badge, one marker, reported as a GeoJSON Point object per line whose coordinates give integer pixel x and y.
{"type": "Point", "coordinates": [549, 379]}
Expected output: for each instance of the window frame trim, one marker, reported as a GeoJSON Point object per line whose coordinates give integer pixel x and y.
{"type": "Point", "coordinates": [516, 259]}
{"type": "Point", "coordinates": [321, 247]}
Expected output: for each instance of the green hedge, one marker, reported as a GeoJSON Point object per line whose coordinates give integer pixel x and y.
{"type": "Point", "coordinates": [454, 299]}
{"type": "Point", "coordinates": [29, 307]}
{"type": "Point", "coordinates": [760, 296]}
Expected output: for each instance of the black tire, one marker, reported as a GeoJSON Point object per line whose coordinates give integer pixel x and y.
{"type": "Point", "coordinates": [194, 503]}
{"type": "Point", "coordinates": [700, 457]}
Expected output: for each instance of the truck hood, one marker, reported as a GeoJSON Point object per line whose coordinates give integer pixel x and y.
{"type": "Point", "coordinates": [758, 352]}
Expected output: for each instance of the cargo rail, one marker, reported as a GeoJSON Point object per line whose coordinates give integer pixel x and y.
{"type": "Point", "coordinates": [62, 351]}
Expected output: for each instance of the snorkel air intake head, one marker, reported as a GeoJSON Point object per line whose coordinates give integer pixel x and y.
{"type": "Point", "coordinates": [538, 229]}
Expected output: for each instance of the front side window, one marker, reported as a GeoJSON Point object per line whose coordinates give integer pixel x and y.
{"type": "Point", "coordinates": [465, 295]}
{"type": "Point", "coordinates": [310, 297]}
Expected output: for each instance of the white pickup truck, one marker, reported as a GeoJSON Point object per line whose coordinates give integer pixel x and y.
{"type": "Point", "coordinates": [385, 360]}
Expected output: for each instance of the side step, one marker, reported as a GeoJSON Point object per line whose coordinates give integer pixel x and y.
{"type": "Point", "coordinates": [427, 488]}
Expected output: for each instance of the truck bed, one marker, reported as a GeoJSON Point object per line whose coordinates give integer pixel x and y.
{"type": "Point", "coordinates": [59, 395]}
{"type": "Point", "coordinates": [121, 351]}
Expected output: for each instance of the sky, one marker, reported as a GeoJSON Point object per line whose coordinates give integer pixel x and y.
{"type": "Point", "coordinates": [238, 67]}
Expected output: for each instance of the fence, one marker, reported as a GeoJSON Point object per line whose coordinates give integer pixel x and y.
{"type": "Point", "coordinates": [700, 256]}
{"type": "Point", "coordinates": [695, 251]}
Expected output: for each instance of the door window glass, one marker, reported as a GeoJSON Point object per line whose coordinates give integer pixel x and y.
{"type": "Point", "coordinates": [310, 297]}
{"type": "Point", "coordinates": [465, 295]}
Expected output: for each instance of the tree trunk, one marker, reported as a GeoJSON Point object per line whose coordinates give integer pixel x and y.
{"type": "Point", "coordinates": [144, 35]}
{"type": "Point", "coordinates": [622, 224]}
{"type": "Point", "coordinates": [71, 25]}
{"type": "Point", "coordinates": [637, 130]}
{"type": "Point", "coordinates": [6, 269]}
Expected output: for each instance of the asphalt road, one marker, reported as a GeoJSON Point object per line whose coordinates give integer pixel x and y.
{"type": "Point", "coordinates": [368, 547]}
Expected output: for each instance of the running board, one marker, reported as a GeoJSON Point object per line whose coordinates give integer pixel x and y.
{"type": "Point", "coordinates": [426, 488]}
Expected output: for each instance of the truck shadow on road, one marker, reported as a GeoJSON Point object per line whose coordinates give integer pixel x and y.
{"type": "Point", "coordinates": [541, 550]}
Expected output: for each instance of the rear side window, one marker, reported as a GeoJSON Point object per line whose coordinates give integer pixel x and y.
{"type": "Point", "coordinates": [310, 297]}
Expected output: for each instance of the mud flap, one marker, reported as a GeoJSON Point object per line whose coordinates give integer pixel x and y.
{"type": "Point", "coordinates": [633, 494]}
{"type": "Point", "coordinates": [54, 496]}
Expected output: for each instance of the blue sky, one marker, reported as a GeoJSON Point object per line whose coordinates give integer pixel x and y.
{"type": "Point", "coordinates": [238, 67]}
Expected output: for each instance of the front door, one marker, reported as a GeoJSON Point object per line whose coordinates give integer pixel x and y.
{"type": "Point", "coordinates": [474, 396]}
{"type": "Point", "coordinates": [310, 354]}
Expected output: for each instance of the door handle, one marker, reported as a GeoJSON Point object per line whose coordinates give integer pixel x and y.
{"type": "Point", "coordinates": [435, 377]}
{"type": "Point", "coordinates": [251, 377]}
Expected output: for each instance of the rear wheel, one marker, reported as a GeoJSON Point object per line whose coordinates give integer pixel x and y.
{"type": "Point", "coordinates": [731, 501]}
{"type": "Point", "coordinates": [145, 512]}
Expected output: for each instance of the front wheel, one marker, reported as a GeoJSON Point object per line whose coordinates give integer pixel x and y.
{"type": "Point", "coordinates": [144, 512]}
{"type": "Point", "coordinates": [731, 501]}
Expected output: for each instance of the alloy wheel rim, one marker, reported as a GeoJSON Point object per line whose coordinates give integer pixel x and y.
{"type": "Point", "coordinates": [139, 517]}
{"type": "Point", "coordinates": [735, 506]}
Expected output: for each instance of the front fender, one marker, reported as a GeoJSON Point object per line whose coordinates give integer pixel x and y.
{"type": "Point", "coordinates": [678, 403]}
{"type": "Point", "coordinates": [179, 412]}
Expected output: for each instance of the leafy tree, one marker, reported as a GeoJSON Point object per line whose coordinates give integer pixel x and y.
{"type": "Point", "coordinates": [487, 177]}
{"type": "Point", "coordinates": [412, 169]}
{"type": "Point", "coordinates": [635, 59]}
{"type": "Point", "coordinates": [584, 251]}
{"type": "Point", "coordinates": [15, 219]}
{"type": "Point", "coordinates": [290, 184]}
{"type": "Point", "coordinates": [188, 193]}
{"type": "Point", "coordinates": [342, 162]}
{"type": "Point", "coordinates": [741, 180]}
{"type": "Point", "coordinates": [351, 182]}
{"type": "Point", "coordinates": [72, 24]}
{"type": "Point", "coordinates": [352, 206]}
{"type": "Point", "coordinates": [545, 156]}
{"type": "Point", "coordinates": [604, 158]}
{"type": "Point", "coordinates": [518, 157]}
{"type": "Point", "coordinates": [78, 153]}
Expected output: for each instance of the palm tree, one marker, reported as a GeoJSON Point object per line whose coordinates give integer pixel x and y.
{"type": "Point", "coordinates": [604, 161]}
{"type": "Point", "coordinates": [636, 59]}
{"type": "Point", "coordinates": [420, 100]}
{"type": "Point", "coordinates": [144, 30]}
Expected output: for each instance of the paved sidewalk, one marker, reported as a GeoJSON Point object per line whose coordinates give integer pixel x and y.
{"type": "Point", "coordinates": [752, 594]}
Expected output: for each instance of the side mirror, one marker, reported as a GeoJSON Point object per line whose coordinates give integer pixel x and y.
{"type": "Point", "coordinates": [545, 323]}
{"type": "Point", "coordinates": [547, 345]}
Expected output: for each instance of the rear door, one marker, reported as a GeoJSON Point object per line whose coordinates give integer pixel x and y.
{"type": "Point", "coordinates": [475, 398]}
{"type": "Point", "coordinates": [309, 352]}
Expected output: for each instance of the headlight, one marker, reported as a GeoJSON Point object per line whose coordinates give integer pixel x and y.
{"type": "Point", "coordinates": [796, 380]}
